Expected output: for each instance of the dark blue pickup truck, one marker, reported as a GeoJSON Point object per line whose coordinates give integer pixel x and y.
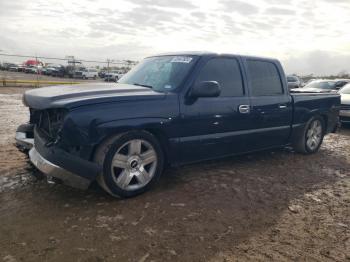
{"type": "Point", "coordinates": [170, 109]}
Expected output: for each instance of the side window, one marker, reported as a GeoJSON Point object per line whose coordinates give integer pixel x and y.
{"type": "Point", "coordinates": [226, 72]}
{"type": "Point", "coordinates": [265, 79]}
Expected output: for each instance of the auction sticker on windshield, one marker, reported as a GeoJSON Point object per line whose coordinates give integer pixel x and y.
{"type": "Point", "coordinates": [181, 59]}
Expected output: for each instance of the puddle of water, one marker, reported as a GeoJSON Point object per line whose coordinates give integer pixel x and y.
{"type": "Point", "coordinates": [10, 182]}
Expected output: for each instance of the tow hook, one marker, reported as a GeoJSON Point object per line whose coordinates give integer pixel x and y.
{"type": "Point", "coordinates": [53, 180]}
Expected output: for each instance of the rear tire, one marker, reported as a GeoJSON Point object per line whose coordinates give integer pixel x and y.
{"type": "Point", "coordinates": [311, 137]}
{"type": "Point", "coordinates": [132, 163]}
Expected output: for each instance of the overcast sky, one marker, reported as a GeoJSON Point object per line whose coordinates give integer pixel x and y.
{"type": "Point", "coordinates": [309, 36]}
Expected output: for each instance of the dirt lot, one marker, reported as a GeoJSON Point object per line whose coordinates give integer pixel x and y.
{"type": "Point", "coordinates": [267, 206]}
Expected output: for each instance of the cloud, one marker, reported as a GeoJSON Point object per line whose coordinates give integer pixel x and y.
{"type": "Point", "coordinates": [183, 4]}
{"type": "Point", "coordinates": [279, 11]}
{"type": "Point", "coordinates": [9, 8]}
{"type": "Point", "coordinates": [199, 15]}
{"type": "Point", "coordinates": [320, 63]}
{"type": "Point", "coordinates": [137, 21]}
{"type": "Point", "coordinates": [240, 7]}
{"type": "Point", "coordinates": [98, 29]}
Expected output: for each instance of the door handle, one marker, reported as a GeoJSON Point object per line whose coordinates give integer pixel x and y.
{"type": "Point", "coordinates": [244, 109]}
{"type": "Point", "coordinates": [282, 106]}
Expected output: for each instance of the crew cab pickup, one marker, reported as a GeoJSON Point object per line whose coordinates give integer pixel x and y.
{"type": "Point", "coordinates": [170, 109]}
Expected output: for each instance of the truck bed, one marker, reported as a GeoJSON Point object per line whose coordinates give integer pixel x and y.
{"type": "Point", "coordinates": [326, 104]}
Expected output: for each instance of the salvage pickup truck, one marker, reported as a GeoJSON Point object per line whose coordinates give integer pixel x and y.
{"type": "Point", "coordinates": [170, 109]}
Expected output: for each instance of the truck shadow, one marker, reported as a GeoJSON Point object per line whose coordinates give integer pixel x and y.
{"type": "Point", "coordinates": [344, 130]}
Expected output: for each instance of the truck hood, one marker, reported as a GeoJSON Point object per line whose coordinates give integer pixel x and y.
{"type": "Point", "coordinates": [64, 96]}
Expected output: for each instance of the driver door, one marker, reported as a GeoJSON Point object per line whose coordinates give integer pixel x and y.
{"type": "Point", "coordinates": [215, 126]}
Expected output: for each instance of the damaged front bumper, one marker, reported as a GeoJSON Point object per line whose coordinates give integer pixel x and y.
{"type": "Point", "coordinates": [58, 165]}
{"type": "Point", "coordinates": [25, 137]}
{"type": "Point", "coordinates": [55, 173]}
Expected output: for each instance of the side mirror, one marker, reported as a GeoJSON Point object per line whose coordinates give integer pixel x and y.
{"type": "Point", "coordinates": [206, 89]}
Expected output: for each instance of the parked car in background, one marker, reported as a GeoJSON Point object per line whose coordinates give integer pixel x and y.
{"type": "Point", "coordinates": [323, 86]}
{"type": "Point", "coordinates": [70, 71]}
{"type": "Point", "coordinates": [13, 68]}
{"type": "Point", "coordinates": [293, 82]}
{"type": "Point", "coordinates": [34, 69]}
{"type": "Point", "coordinates": [309, 81]}
{"type": "Point", "coordinates": [6, 66]}
{"type": "Point", "coordinates": [44, 71]}
{"type": "Point", "coordinates": [50, 68]}
{"type": "Point", "coordinates": [58, 71]}
{"type": "Point", "coordinates": [21, 68]}
{"type": "Point", "coordinates": [78, 73]}
{"type": "Point", "coordinates": [102, 74]}
{"type": "Point", "coordinates": [29, 69]}
{"type": "Point", "coordinates": [345, 104]}
{"type": "Point", "coordinates": [113, 76]}
{"type": "Point", "coordinates": [89, 73]}
{"type": "Point", "coordinates": [16, 68]}
{"type": "Point", "coordinates": [170, 109]}
{"type": "Point", "coordinates": [340, 83]}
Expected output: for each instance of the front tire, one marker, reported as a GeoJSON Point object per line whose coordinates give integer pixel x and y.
{"type": "Point", "coordinates": [311, 137]}
{"type": "Point", "coordinates": [132, 163]}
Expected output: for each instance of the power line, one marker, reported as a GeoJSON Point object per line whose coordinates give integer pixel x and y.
{"type": "Point", "coordinates": [67, 59]}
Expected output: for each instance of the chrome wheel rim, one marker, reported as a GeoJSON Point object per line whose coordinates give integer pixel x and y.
{"type": "Point", "coordinates": [134, 164]}
{"type": "Point", "coordinates": [314, 134]}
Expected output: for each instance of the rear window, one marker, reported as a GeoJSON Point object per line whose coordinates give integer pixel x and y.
{"type": "Point", "coordinates": [265, 79]}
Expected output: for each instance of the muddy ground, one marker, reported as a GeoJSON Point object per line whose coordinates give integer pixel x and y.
{"type": "Point", "coordinates": [269, 206]}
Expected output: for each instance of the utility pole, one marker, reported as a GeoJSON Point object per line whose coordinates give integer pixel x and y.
{"type": "Point", "coordinates": [37, 70]}
{"type": "Point", "coordinates": [108, 62]}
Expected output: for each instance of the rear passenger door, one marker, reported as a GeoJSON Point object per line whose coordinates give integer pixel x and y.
{"type": "Point", "coordinates": [271, 105]}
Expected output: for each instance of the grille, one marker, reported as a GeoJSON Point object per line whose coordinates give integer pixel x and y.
{"type": "Point", "coordinates": [344, 107]}
{"type": "Point", "coordinates": [48, 121]}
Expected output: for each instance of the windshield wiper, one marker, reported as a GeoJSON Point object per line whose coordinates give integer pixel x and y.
{"type": "Point", "coordinates": [137, 84]}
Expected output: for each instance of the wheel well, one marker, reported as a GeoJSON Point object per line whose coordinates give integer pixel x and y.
{"type": "Point", "coordinates": [163, 141]}
{"type": "Point", "coordinates": [325, 120]}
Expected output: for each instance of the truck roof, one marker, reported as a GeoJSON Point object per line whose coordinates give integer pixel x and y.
{"type": "Point", "coordinates": [207, 53]}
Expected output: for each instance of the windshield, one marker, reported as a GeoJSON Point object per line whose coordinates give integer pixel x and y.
{"type": "Point", "coordinates": [345, 89]}
{"type": "Point", "coordinates": [321, 85]}
{"type": "Point", "coordinates": [162, 73]}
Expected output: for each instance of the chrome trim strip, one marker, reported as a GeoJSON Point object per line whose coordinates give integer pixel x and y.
{"type": "Point", "coordinates": [231, 133]}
